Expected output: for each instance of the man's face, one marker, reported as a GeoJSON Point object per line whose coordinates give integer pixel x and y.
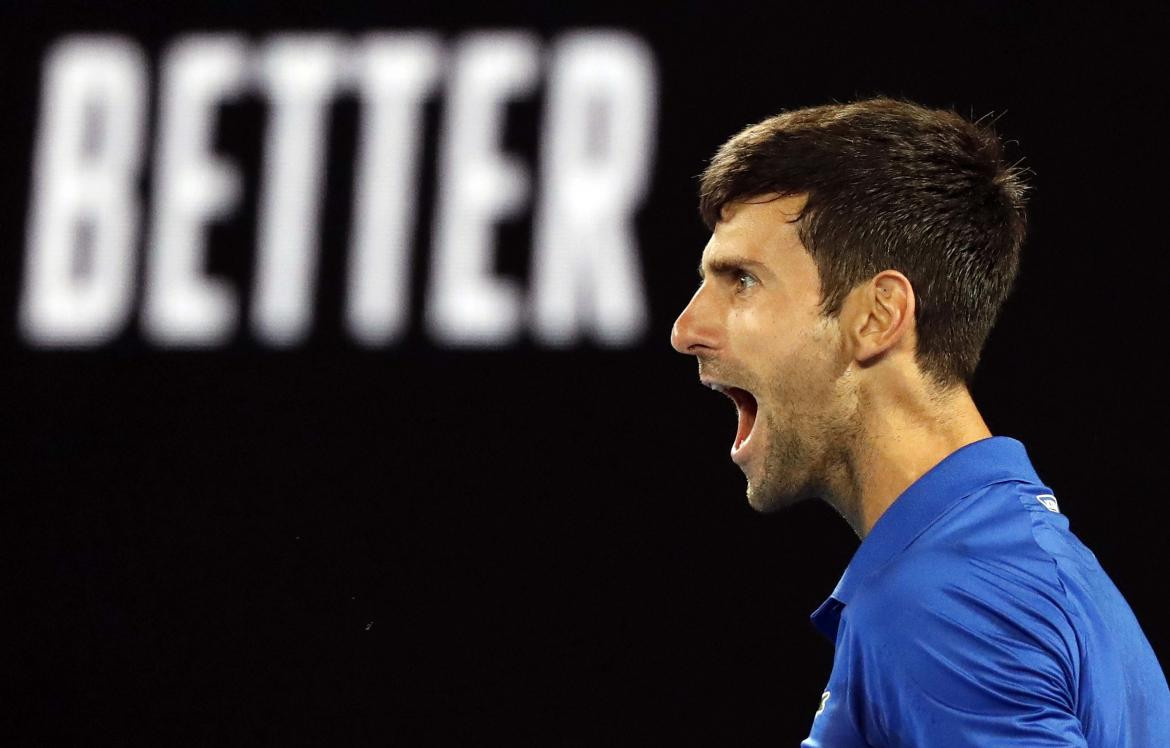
{"type": "Point", "coordinates": [754, 324]}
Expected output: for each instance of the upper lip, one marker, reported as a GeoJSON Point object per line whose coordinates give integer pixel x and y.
{"type": "Point", "coordinates": [723, 387]}
{"type": "Point", "coordinates": [714, 384]}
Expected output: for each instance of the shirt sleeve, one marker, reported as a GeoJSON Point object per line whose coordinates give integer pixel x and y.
{"type": "Point", "coordinates": [962, 664]}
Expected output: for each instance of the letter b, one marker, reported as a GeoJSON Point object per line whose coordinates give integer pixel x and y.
{"type": "Point", "coordinates": [83, 224]}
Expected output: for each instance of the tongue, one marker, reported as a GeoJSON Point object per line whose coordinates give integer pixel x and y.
{"type": "Point", "coordinates": [745, 406]}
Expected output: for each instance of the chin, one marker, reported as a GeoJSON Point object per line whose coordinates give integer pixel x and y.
{"type": "Point", "coordinates": [760, 503]}
{"type": "Point", "coordinates": [769, 495]}
{"type": "Point", "coordinates": [763, 500]}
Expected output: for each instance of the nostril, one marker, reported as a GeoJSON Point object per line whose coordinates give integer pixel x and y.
{"type": "Point", "coordinates": [678, 337]}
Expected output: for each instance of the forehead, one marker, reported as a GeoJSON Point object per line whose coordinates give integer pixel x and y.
{"type": "Point", "coordinates": [759, 229]}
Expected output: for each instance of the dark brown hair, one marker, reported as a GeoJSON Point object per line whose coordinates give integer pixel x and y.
{"type": "Point", "coordinates": [891, 185]}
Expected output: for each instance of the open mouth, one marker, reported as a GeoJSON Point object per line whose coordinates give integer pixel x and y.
{"type": "Point", "coordinates": [745, 408]}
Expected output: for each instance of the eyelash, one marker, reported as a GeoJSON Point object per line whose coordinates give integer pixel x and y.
{"type": "Point", "coordinates": [739, 276]}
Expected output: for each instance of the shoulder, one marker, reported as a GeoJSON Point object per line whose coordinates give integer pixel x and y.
{"type": "Point", "coordinates": [970, 611]}
{"type": "Point", "coordinates": [964, 598]}
{"type": "Point", "coordinates": [942, 656]}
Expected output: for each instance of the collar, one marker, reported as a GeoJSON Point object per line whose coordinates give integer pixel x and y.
{"type": "Point", "coordinates": [995, 459]}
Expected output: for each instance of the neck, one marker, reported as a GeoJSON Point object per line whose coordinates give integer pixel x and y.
{"type": "Point", "coordinates": [898, 442]}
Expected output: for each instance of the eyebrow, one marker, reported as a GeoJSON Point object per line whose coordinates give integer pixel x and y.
{"type": "Point", "coordinates": [725, 265]}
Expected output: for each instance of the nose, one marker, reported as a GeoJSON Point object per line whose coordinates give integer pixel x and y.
{"type": "Point", "coordinates": [695, 331]}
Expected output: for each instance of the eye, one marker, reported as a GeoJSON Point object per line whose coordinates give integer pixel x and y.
{"type": "Point", "coordinates": [744, 280]}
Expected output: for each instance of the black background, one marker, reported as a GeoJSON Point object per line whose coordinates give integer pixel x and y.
{"type": "Point", "coordinates": [415, 546]}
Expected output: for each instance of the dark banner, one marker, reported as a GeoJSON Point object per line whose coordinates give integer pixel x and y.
{"type": "Point", "coordinates": [338, 396]}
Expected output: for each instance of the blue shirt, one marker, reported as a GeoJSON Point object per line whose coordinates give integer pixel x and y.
{"type": "Point", "coordinates": [971, 616]}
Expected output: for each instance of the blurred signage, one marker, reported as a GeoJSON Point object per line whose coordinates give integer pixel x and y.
{"type": "Point", "coordinates": [103, 254]}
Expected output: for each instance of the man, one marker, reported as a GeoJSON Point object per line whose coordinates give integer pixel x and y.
{"type": "Point", "coordinates": [860, 254]}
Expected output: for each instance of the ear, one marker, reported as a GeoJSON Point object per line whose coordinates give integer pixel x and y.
{"type": "Point", "coordinates": [882, 315]}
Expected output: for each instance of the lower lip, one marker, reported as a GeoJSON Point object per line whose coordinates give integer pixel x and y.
{"type": "Point", "coordinates": [741, 454]}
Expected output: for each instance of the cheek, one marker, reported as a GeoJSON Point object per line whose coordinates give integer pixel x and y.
{"type": "Point", "coordinates": [804, 378]}
{"type": "Point", "coordinates": [774, 339]}
{"type": "Point", "coordinates": [791, 359]}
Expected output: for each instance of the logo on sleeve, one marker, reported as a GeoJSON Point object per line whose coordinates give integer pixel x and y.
{"type": "Point", "coordinates": [821, 708]}
{"type": "Point", "coordinates": [1049, 502]}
